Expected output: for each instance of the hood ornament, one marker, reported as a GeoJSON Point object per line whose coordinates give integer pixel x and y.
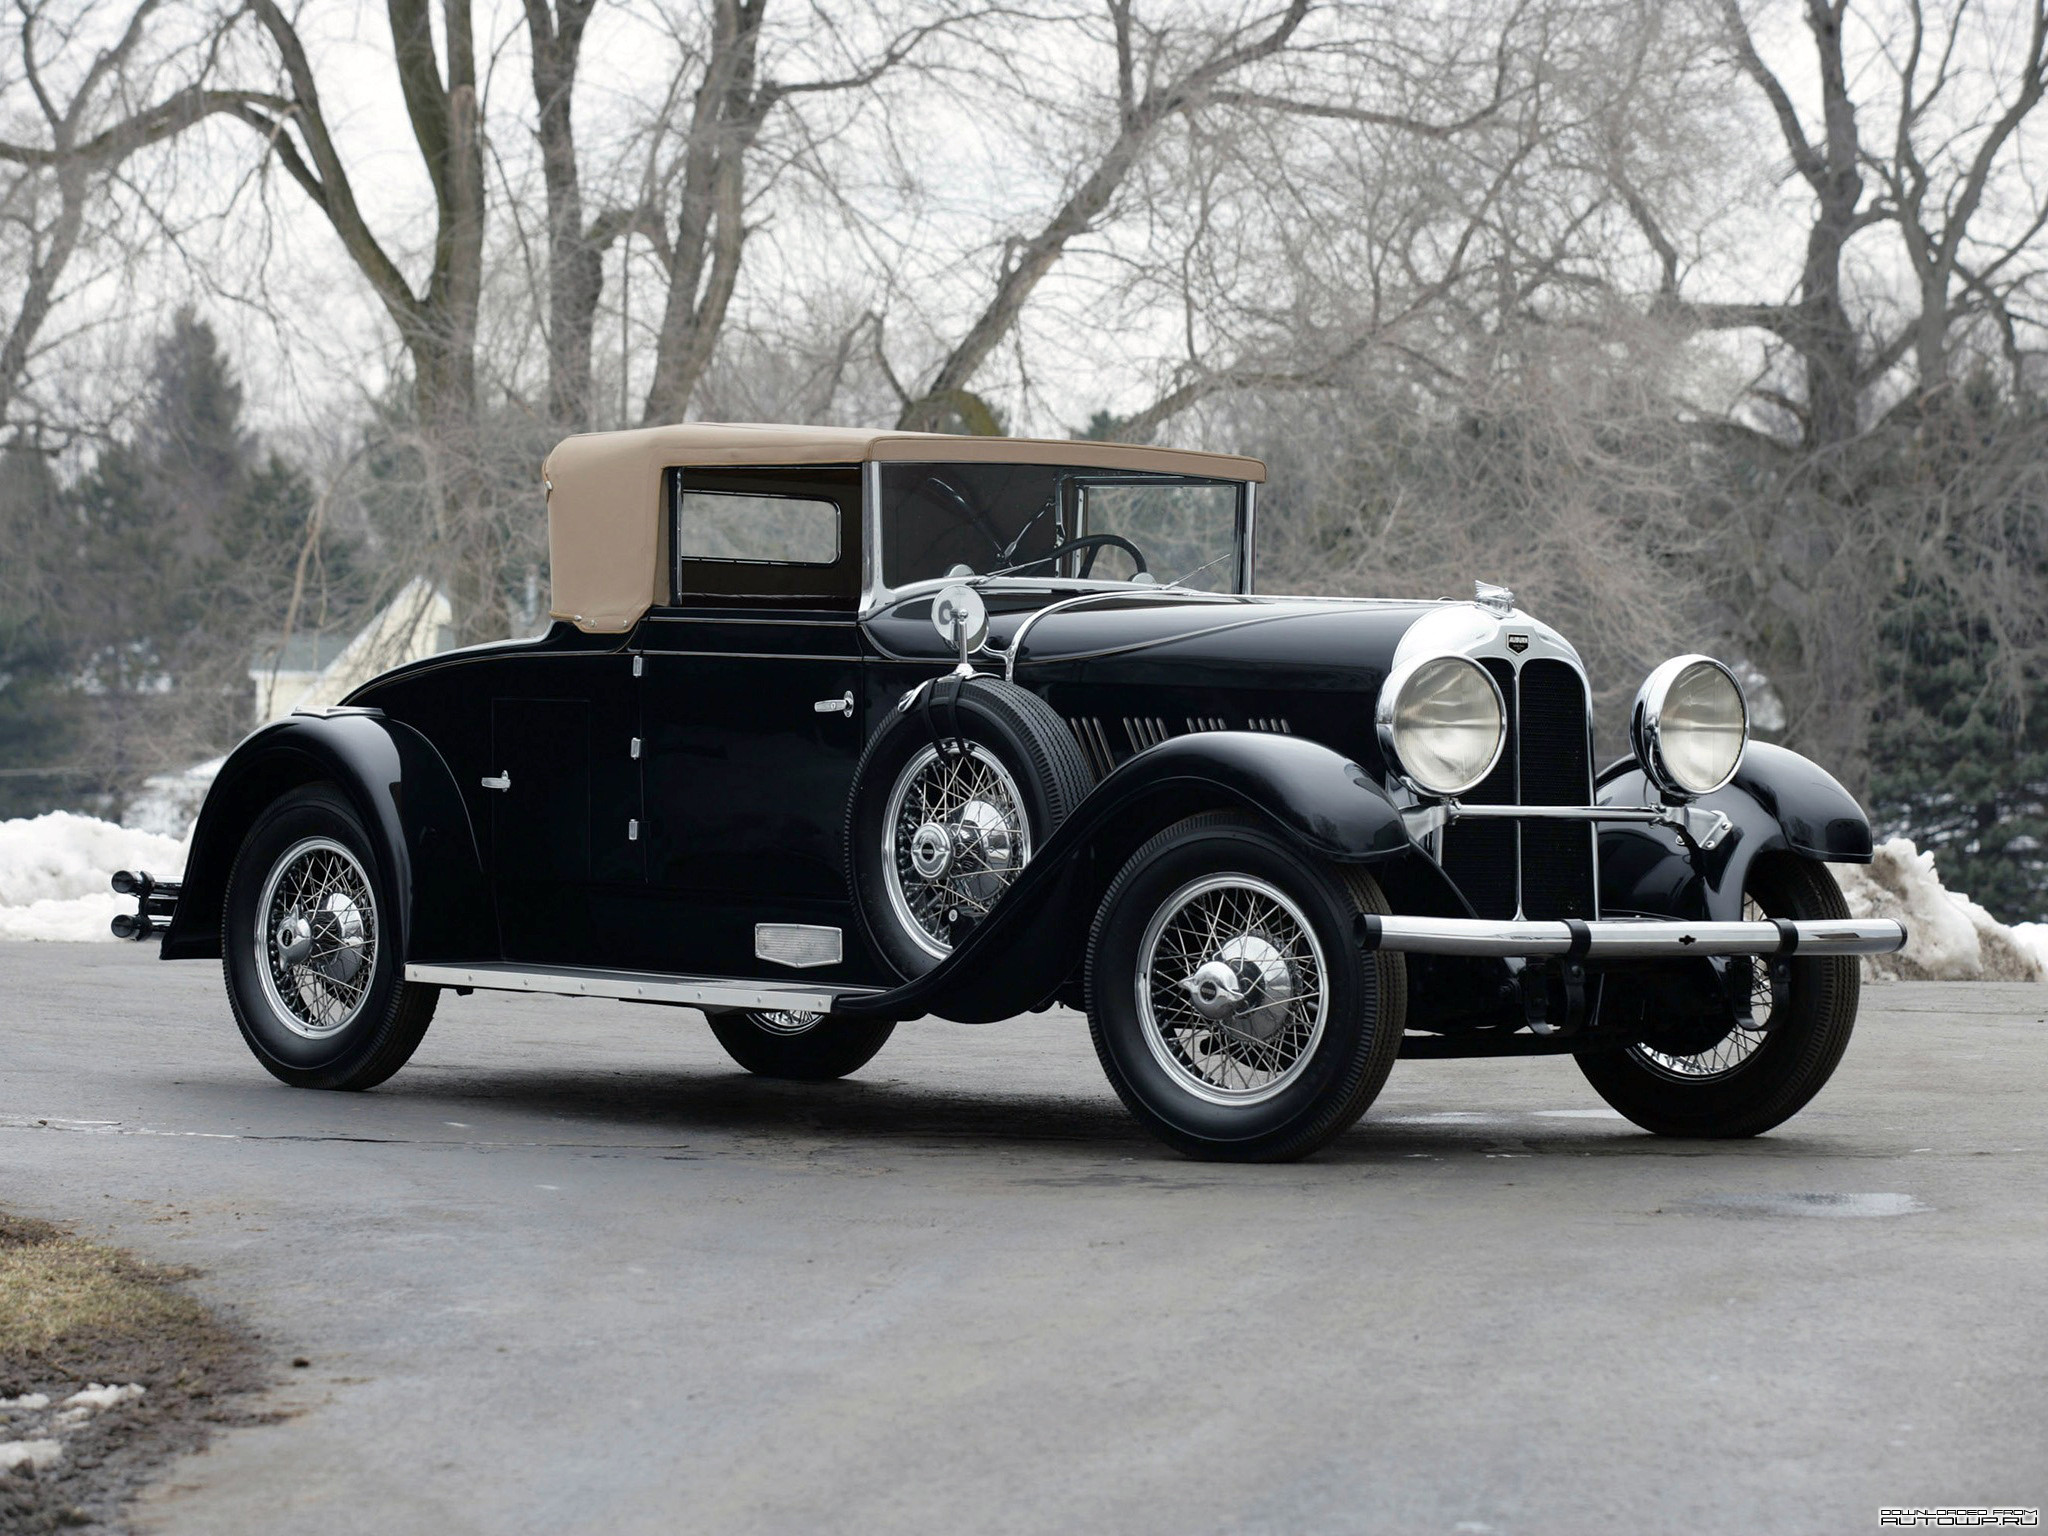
{"type": "Point", "coordinates": [1498, 601]}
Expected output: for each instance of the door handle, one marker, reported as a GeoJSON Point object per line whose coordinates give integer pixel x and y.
{"type": "Point", "coordinates": [840, 706]}
{"type": "Point", "coordinates": [502, 781]}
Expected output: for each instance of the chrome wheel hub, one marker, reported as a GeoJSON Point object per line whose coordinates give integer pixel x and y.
{"type": "Point", "coordinates": [1230, 989]}
{"type": "Point", "coordinates": [955, 836]}
{"type": "Point", "coordinates": [1249, 985]}
{"type": "Point", "coordinates": [316, 937]}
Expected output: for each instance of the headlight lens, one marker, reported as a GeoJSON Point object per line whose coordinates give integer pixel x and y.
{"type": "Point", "coordinates": [1441, 722]}
{"type": "Point", "coordinates": [1690, 725]}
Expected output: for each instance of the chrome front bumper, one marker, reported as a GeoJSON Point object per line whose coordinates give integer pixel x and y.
{"type": "Point", "coordinates": [1628, 938]}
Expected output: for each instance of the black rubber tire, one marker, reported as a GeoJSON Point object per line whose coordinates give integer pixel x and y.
{"type": "Point", "coordinates": [395, 1013]}
{"type": "Point", "coordinates": [1808, 1031]}
{"type": "Point", "coordinates": [829, 1049]}
{"type": "Point", "coordinates": [1020, 728]}
{"type": "Point", "coordinates": [1368, 995]}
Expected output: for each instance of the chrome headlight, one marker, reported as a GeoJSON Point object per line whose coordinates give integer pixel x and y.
{"type": "Point", "coordinates": [1689, 726]}
{"type": "Point", "coordinates": [1442, 722]}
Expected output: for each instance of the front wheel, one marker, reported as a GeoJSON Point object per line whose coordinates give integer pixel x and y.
{"type": "Point", "coordinates": [312, 954]}
{"type": "Point", "coordinates": [1732, 1081]}
{"type": "Point", "coordinates": [1231, 1005]}
{"type": "Point", "coordinates": [807, 1047]}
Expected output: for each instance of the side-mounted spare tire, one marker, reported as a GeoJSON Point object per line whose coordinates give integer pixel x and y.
{"type": "Point", "coordinates": [953, 795]}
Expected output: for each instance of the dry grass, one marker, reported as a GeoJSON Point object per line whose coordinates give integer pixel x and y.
{"type": "Point", "coordinates": [74, 1312]}
{"type": "Point", "coordinates": [58, 1292]}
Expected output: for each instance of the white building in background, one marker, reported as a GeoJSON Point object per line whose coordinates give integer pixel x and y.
{"type": "Point", "coordinates": [308, 671]}
{"type": "Point", "coordinates": [303, 672]}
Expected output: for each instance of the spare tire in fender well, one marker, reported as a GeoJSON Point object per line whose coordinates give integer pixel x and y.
{"type": "Point", "coordinates": [408, 801]}
{"type": "Point", "coordinates": [1020, 955]}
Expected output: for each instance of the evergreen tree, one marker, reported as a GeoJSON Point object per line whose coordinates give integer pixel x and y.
{"type": "Point", "coordinates": [153, 579]}
{"type": "Point", "coordinates": [1959, 739]}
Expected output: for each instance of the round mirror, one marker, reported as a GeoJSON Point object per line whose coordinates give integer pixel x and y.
{"type": "Point", "coordinates": [960, 616]}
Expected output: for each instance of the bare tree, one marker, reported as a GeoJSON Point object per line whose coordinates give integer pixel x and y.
{"type": "Point", "coordinates": [117, 105]}
{"type": "Point", "coordinates": [1812, 554]}
{"type": "Point", "coordinates": [555, 30]}
{"type": "Point", "coordinates": [436, 321]}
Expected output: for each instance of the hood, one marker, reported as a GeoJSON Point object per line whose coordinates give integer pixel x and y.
{"type": "Point", "coordinates": [1305, 637]}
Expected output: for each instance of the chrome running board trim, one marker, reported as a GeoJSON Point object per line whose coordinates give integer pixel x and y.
{"type": "Point", "coordinates": [638, 986]}
{"type": "Point", "coordinates": [1630, 938]}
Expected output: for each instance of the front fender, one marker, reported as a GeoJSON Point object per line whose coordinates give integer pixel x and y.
{"type": "Point", "coordinates": [1034, 939]}
{"type": "Point", "coordinates": [1778, 802]}
{"type": "Point", "coordinates": [407, 799]}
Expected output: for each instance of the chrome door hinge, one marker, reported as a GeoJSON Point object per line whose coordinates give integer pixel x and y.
{"type": "Point", "coordinates": [638, 662]}
{"type": "Point", "coordinates": [634, 750]}
{"type": "Point", "coordinates": [632, 831]}
{"type": "Point", "coordinates": [502, 781]}
{"type": "Point", "coordinates": [839, 706]}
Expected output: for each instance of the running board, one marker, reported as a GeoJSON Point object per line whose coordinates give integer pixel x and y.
{"type": "Point", "coordinates": [638, 986]}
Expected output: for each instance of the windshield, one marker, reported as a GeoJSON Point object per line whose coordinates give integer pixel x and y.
{"type": "Point", "coordinates": [1043, 520]}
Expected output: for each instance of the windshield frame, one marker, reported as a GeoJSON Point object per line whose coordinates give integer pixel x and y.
{"type": "Point", "coordinates": [876, 594]}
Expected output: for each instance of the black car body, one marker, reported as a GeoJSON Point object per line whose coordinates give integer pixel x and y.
{"type": "Point", "coordinates": [676, 794]}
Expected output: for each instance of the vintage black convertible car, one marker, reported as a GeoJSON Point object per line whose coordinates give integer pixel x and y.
{"type": "Point", "coordinates": [834, 729]}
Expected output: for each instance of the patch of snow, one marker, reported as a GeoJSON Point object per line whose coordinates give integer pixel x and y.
{"type": "Point", "coordinates": [55, 869]}
{"type": "Point", "coordinates": [97, 1396]}
{"type": "Point", "coordinates": [1948, 936]}
{"type": "Point", "coordinates": [2033, 937]}
{"type": "Point", "coordinates": [28, 1400]}
{"type": "Point", "coordinates": [33, 1454]}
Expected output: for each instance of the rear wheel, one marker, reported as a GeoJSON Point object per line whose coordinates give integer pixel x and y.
{"type": "Point", "coordinates": [311, 949]}
{"type": "Point", "coordinates": [1230, 1003]}
{"type": "Point", "coordinates": [1728, 1080]}
{"type": "Point", "coordinates": [809, 1047]}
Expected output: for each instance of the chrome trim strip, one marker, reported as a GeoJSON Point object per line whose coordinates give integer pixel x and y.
{"type": "Point", "coordinates": [639, 986]}
{"type": "Point", "coordinates": [1248, 553]}
{"type": "Point", "coordinates": [873, 594]}
{"type": "Point", "coordinates": [1630, 938]}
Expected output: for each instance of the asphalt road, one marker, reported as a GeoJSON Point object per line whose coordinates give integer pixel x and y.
{"type": "Point", "coordinates": [570, 1271]}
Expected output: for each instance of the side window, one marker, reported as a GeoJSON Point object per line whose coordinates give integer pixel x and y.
{"type": "Point", "coordinates": [734, 525]}
{"type": "Point", "coordinates": [787, 536]}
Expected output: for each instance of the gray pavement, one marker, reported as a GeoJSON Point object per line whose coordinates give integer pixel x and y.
{"type": "Point", "coordinates": [570, 1271]}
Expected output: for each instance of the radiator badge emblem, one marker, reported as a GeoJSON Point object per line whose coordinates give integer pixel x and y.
{"type": "Point", "coordinates": [1518, 643]}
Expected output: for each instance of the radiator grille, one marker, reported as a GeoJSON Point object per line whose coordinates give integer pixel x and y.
{"type": "Point", "coordinates": [1547, 761]}
{"type": "Point", "coordinates": [1557, 769]}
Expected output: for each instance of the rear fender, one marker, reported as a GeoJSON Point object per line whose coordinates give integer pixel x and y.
{"type": "Point", "coordinates": [407, 799]}
{"type": "Point", "coordinates": [1778, 802]}
{"type": "Point", "coordinates": [1036, 937]}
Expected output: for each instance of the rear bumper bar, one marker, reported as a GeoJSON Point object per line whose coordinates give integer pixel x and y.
{"type": "Point", "coordinates": [1627, 938]}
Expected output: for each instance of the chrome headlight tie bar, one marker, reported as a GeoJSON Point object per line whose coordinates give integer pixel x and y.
{"type": "Point", "coordinates": [1704, 828]}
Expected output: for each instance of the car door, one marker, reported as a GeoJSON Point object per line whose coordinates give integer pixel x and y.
{"type": "Point", "coordinates": [565, 807]}
{"type": "Point", "coordinates": [752, 709]}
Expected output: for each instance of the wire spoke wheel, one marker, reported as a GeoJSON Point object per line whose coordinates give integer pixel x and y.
{"type": "Point", "coordinates": [785, 1021]}
{"type": "Point", "coordinates": [955, 835]}
{"type": "Point", "coordinates": [1231, 989]}
{"type": "Point", "coordinates": [316, 937]}
{"type": "Point", "coordinates": [1733, 1050]}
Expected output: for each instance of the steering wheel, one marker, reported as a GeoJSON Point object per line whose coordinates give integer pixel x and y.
{"type": "Point", "coordinates": [1094, 543]}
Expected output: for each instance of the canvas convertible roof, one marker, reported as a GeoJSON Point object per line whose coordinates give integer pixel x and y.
{"type": "Point", "coordinates": [605, 505]}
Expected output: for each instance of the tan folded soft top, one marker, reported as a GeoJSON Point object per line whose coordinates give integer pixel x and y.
{"type": "Point", "coordinates": [605, 501]}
